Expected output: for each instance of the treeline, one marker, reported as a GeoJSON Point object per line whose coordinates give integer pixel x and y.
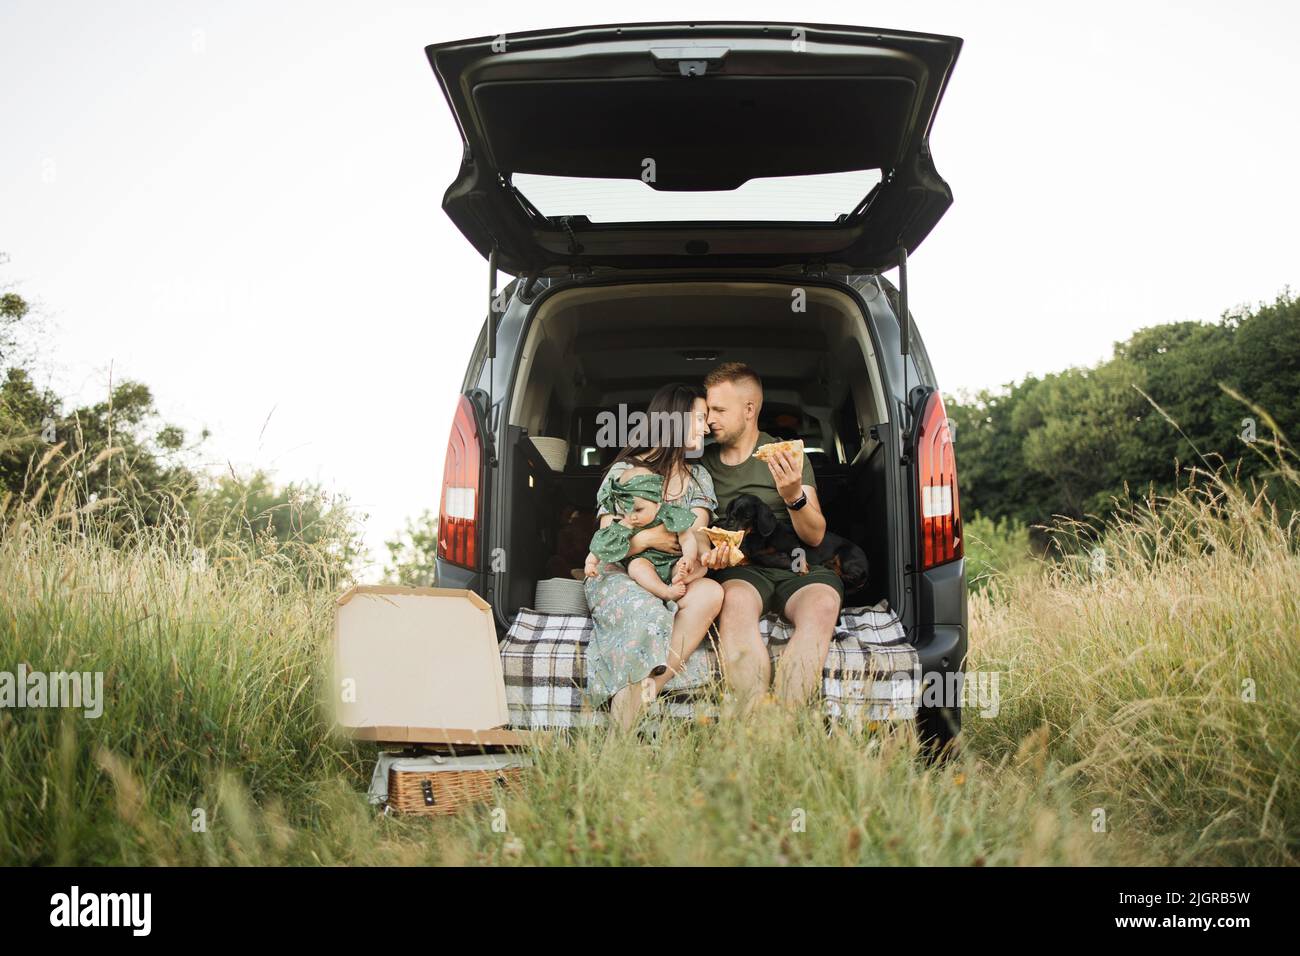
{"type": "Point", "coordinates": [118, 460]}
{"type": "Point", "coordinates": [1209, 394]}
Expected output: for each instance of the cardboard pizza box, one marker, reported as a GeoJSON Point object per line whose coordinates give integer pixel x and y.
{"type": "Point", "coordinates": [419, 665]}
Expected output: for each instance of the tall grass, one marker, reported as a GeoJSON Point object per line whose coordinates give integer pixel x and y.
{"type": "Point", "coordinates": [997, 553]}
{"type": "Point", "coordinates": [1125, 688]}
{"type": "Point", "coordinates": [1162, 658]}
{"type": "Point", "coordinates": [208, 670]}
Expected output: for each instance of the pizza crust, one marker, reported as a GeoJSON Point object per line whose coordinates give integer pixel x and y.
{"type": "Point", "coordinates": [719, 536]}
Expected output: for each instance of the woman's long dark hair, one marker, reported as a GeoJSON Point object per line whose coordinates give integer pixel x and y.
{"type": "Point", "coordinates": [677, 399]}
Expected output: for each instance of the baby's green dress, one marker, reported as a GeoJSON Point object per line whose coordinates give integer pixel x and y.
{"type": "Point", "coordinates": [612, 542]}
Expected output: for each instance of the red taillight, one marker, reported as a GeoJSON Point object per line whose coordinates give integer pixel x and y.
{"type": "Point", "coordinates": [936, 473]}
{"type": "Point", "coordinates": [458, 513]}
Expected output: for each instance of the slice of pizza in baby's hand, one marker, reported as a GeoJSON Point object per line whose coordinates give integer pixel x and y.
{"type": "Point", "coordinates": [794, 447]}
{"type": "Point", "coordinates": [720, 536]}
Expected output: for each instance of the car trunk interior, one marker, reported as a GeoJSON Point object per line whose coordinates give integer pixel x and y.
{"type": "Point", "coordinates": [593, 349]}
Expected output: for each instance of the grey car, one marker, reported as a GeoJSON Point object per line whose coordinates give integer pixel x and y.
{"type": "Point", "coordinates": [622, 174]}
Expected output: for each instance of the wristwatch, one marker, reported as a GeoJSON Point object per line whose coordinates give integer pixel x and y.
{"type": "Point", "coordinates": [798, 502]}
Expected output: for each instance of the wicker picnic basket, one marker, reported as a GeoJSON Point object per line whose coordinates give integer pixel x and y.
{"type": "Point", "coordinates": [435, 784]}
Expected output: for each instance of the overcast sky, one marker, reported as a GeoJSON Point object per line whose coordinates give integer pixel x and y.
{"type": "Point", "coordinates": [238, 203]}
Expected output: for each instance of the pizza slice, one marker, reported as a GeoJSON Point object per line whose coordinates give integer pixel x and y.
{"type": "Point", "coordinates": [794, 447]}
{"type": "Point", "coordinates": [720, 536]}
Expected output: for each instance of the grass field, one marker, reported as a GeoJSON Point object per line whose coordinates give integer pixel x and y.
{"type": "Point", "coordinates": [1147, 714]}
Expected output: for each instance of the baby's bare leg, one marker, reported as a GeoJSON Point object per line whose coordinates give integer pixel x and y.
{"type": "Point", "coordinates": [699, 572]}
{"type": "Point", "coordinates": [687, 568]}
{"type": "Point", "coordinates": [643, 573]}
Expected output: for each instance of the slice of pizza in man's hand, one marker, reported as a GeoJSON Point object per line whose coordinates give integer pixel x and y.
{"type": "Point", "coordinates": [794, 447]}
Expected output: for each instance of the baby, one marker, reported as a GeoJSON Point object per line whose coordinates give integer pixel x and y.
{"type": "Point", "coordinates": [637, 500]}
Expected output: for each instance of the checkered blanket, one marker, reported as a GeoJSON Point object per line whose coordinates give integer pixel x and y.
{"type": "Point", "coordinates": [871, 672]}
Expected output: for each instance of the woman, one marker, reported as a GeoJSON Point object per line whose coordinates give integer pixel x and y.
{"type": "Point", "coordinates": [638, 644]}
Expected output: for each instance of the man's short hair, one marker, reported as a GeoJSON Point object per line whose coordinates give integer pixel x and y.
{"type": "Point", "coordinates": [732, 372]}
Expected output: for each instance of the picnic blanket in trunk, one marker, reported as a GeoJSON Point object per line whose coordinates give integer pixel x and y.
{"type": "Point", "coordinates": [871, 672]}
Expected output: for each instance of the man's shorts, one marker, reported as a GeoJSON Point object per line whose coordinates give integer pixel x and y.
{"type": "Point", "coordinates": [776, 585]}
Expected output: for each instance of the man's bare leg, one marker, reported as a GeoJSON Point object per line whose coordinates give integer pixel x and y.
{"type": "Point", "coordinates": [745, 663]}
{"type": "Point", "coordinates": [814, 610]}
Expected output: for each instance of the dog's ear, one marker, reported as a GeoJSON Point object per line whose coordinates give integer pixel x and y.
{"type": "Point", "coordinates": [764, 520]}
{"type": "Point", "coordinates": [726, 518]}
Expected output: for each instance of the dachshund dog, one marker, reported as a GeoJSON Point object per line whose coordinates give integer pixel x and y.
{"type": "Point", "coordinates": [771, 543]}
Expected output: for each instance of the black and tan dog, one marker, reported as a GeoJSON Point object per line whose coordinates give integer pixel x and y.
{"type": "Point", "coordinates": [771, 543]}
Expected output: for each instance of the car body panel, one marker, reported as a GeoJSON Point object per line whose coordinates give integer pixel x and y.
{"type": "Point", "coordinates": [708, 106]}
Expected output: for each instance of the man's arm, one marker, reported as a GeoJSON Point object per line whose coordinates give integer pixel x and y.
{"type": "Point", "coordinates": [809, 522]}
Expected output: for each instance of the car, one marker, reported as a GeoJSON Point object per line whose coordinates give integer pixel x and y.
{"type": "Point", "coordinates": [670, 196]}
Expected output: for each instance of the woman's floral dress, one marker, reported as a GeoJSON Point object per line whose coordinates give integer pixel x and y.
{"type": "Point", "coordinates": [633, 628]}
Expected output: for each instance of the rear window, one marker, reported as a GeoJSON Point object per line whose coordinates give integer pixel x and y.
{"type": "Point", "coordinates": [818, 198]}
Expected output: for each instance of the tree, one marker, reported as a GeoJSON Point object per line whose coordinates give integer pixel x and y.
{"type": "Point", "coordinates": [1068, 442]}
{"type": "Point", "coordinates": [111, 452]}
{"type": "Point", "coordinates": [1079, 432]}
{"type": "Point", "coordinates": [13, 309]}
{"type": "Point", "coordinates": [412, 554]}
{"type": "Point", "coordinates": [117, 457]}
{"type": "Point", "coordinates": [298, 524]}
{"type": "Point", "coordinates": [990, 457]}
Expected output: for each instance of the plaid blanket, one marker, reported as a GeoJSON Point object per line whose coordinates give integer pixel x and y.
{"type": "Point", "coordinates": [871, 672]}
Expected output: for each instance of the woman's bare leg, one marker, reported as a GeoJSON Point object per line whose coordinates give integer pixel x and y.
{"type": "Point", "coordinates": [626, 706]}
{"type": "Point", "coordinates": [696, 610]}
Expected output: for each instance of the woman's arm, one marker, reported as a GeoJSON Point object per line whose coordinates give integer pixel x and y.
{"type": "Point", "coordinates": [702, 543]}
{"type": "Point", "coordinates": [704, 501]}
{"type": "Point", "coordinates": [657, 538]}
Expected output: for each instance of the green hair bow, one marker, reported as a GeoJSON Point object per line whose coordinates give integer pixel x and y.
{"type": "Point", "coordinates": [611, 543]}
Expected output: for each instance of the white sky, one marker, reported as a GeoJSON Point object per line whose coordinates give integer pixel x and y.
{"type": "Point", "coordinates": [239, 203]}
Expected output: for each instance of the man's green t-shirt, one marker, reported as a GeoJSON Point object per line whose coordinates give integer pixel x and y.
{"type": "Point", "coordinates": [750, 477]}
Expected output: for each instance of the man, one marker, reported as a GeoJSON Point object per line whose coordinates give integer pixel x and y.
{"type": "Point", "coordinates": [810, 601]}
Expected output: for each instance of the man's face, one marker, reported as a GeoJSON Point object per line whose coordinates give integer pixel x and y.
{"type": "Point", "coordinates": [727, 413]}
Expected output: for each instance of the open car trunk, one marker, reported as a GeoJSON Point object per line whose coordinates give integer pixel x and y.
{"type": "Point", "coordinates": [691, 107]}
{"type": "Point", "coordinates": [593, 349]}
